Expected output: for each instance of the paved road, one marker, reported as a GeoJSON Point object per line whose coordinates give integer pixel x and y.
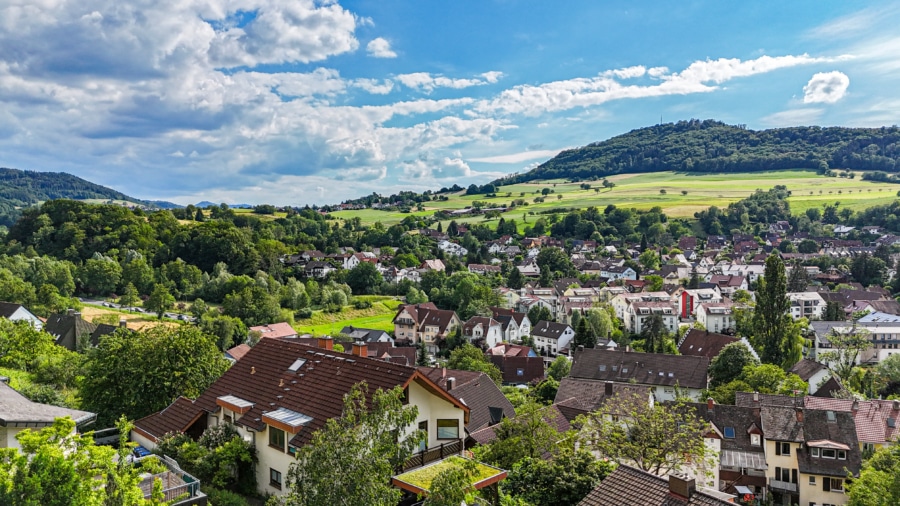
{"type": "Point", "coordinates": [113, 305]}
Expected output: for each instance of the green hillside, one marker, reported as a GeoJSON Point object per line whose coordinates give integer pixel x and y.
{"type": "Point", "coordinates": [713, 147]}
{"type": "Point", "coordinates": [23, 188]}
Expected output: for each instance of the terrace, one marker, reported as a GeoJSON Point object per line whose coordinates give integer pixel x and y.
{"type": "Point", "coordinates": [418, 481]}
{"type": "Point", "coordinates": [178, 487]}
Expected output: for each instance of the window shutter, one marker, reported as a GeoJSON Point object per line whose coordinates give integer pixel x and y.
{"type": "Point", "coordinates": [826, 484]}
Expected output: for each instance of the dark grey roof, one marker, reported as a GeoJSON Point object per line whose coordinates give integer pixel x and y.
{"type": "Point", "coordinates": [549, 330]}
{"type": "Point", "coordinates": [782, 424]}
{"type": "Point", "coordinates": [703, 343]}
{"type": "Point", "coordinates": [742, 420]}
{"type": "Point", "coordinates": [836, 426]}
{"type": "Point", "coordinates": [367, 335]}
{"type": "Point", "coordinates": [643, 368]}
{"type": "Point", "coordinates": [8, 308]}
{"type": "Point", "coordinates": [627, 486]}
{"type": "Point", "coordinates": [18, 411]}
{"type": "Point", "coordinates": [588, 395]}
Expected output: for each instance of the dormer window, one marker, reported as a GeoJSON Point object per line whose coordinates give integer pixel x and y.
{"type": "Point", "coordinates": [754, 439]}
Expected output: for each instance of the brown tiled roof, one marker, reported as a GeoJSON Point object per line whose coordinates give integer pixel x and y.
{"type": "Point", "coordinates": [405, 355]}
{"type": "Point", "coordinates": [627, 486]}
{"type": "Point", "coordinates": [485, 322]}
{"type": "Point", "coordinates": [510, 350]}
{"type": "Point", "coordinates": [180, 415]}
{"type": "Point", "coordinates": [316, 389]}
{"type": "Point", "coordinates": [806, 368]}
{"type": "Point", "coordinates": [551, 414]}
{"type": "Point", "coordinates": [427, 314]}
{"type": "Point", "coordinates": [643, 368]}
{"type": "Point", "coordinates": [755, 400]}
{"type": "Point", "coordinates": [239, 351]}
{"type": "Point", "coordinates": [477, 391]}
{"type": "Point", "coordinates": [517, 316]}
{"type": "Point", "coordinates": [275, 330]}
{"type": "Point", "coordinates": [532, 368]}
{"type": "Point", "coordinates": [588, 395]}
{"type": "Point", "coordinates": [703, 343]}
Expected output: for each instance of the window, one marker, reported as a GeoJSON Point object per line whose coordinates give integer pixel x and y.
{"type": "Point", "coordinates": [448, 429]}
{"type": "Point", "coordinates": [828, 453]}
{"type": "Point", "coordinates": [782, 448]}
{"type": "Point", "coordinates": [783, 474]}
{"type": "Point", "coordinates": [832, 484]}
{"type": "Point", "coordinates": [729, 432]}
{"type": "Point", "coordinates": [275, 478]}
{"type": "Point", "coordinates": [754, 439]}
{"type": "Point", "coordinates": [276, 438]}
{"type": "Point", "coordinates": [227, 419]}
{"type": "Point", "coordinates": [814, 452]}
{"type": "Point", "coordinates": [812, 480]}
{"type": "Point", "coordinates": [842, 455]}
{"type": "Point", "coordinates": [520, 372]}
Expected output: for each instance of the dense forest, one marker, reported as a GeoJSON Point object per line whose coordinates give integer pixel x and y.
{"type": "Point", "coordinates": [23, 188]}
{"type": "Point", "coordinates": [712, 146]}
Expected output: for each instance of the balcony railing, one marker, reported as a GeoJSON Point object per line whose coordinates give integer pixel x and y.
{"type": "Point", "coordinates": [441, 452]}
{"type": "Point", "coordinates": [176, 484]}
{"type": "Point", "coordinates": [784, 486]}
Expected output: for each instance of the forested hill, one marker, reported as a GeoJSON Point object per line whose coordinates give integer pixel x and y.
{"type": "Point", "coordinates": [712, 146]}
{"type": "Point", "coordinates": [22, 188]}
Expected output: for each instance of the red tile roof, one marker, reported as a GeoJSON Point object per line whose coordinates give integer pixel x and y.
{"type": "Point", "coordinates": [275, 330]}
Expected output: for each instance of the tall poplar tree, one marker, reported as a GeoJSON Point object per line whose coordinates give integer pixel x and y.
{"type": "Point", "coordinates": [774, 333]}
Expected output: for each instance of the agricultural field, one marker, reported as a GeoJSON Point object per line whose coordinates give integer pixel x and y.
{"type": "Point", "coordinates": [683, 194]}
{"type": "Point", "coordinates": [134, 321]}
{"type": "Point", "coordinates": [379, 317]}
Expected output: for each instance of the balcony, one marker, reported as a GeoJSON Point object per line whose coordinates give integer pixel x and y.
{"type": "Point", "coordinates": [433, 454]}
{"type": "Point", "coordinates": [178, 487]}
{"type": "Point", "coordinates": [783, 486]}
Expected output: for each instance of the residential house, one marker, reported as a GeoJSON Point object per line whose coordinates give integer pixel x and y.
{"type": "Point", "coordinates": [703, 343]}
{"type": "Point", "coordinates": [282, 330]}
{"type": "Point", "coordinates": [17, 312]}
{"type": "Point", "coordinates": [639, 313]}
{"type": "Point", "coordinates": [424, 323]}
{"type": "Point", "coordinates": [876, 420]}
{"type": "Point", "coordinates": [729, 284]}
{"type": "Point", "coordinates": [551, 337]}
{"type": "Point", "coordinates": [716, 316]}
{"type": "Point", "coordinates": [509, 296]}
{"type": "Point", "coordinates": [529, 268]}
{"type": "Point", "coordinates": [367, 335]}
{"type": "Point", "coordinates": [515, 368]}
{"type": "Point", "coordinates": [69, 328]}
{"type": "Point", "coordinates": [487, 404]}
{"type": "Point", "coordinates": [692, 298]}
{"type": "Point", "coordinates": [631, 486]}
{"type": "Point", "coordinates": [484, 270]}
{"type": "Point", "coordinates": [614, 272]}
{"type": "Point", "coordinates": [741, 457]}
{"type": "Point", "coordinates": [809, 305]}
{"type": "Point", "coordinates": [483, 329]}
{"type": "Point", "coordinates": [18, 413]}
{"type": "Point", "coordinates": [589, 395]}
{"type": "Point", "coordinates": [451, 248]}
{"type": "Point", "coordinates": [281, 392]}
{"type": "Point", "coordinates": [516, 326]}
{"type": "Point", "coordinates": [434, 264]}
{"type": "Point", "coordinates": [621, 301]}
{"type": "Point", "coordinates": [812, 372]}
{"type": "Point", "coordinates": [236, 353]}
{"type": "Point", "coordinates": [662, 373]}
{"type": "Point", "coordinates": [318, 269]}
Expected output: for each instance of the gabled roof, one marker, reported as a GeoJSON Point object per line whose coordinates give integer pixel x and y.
{"type": "Point", "coordinates": [238, 351]}
{"type": "Point", "coordinates": [549, 330]}
{"type": "Point", "coordinates": [58, 325]}
{"type": "Point", "coordinates": [642, 368]}
{"type": "Point", "coordinates": [872, 418]}
{"type": "Point", "coordinates": [630, 486]}
{"type": "Point", "coordinates": [367, 335]}
{"type": "Point", "coordinates": [807, 368]}
{"type": "Point", "coordinates": [742, 421]}
{"type": "Point", "coordinates": [8, 308]}
{"type": "Point", "coordinates": [829, 429]}
{"type": "Point", "coordinates": [588, 395]}
{"type": "Point", "coordinates": [477, 391]}
{"type": "Point", "coordinates": [550, 414]}
{"type": "Point", "coordinates": [703, 343]}
{"type": "Point", "coordinates": [486, 323]}
{"type": "Point", "coordinates": [275, 330]}
{"type": "Point", "coordinates": [267, 378]}
{"type": "Point", "coordinates": [532, 368]}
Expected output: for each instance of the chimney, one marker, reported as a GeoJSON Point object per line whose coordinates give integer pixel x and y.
{"type": "Point", "coordinates": [444, 372]}
{"type": "Point", "coordinates": [451, 383]}
{"type": "Point", "coordinates": [896, 405]}
{"type": "Point", "coordinates": [681, 485]}
{"type": "Point", "coordinates": [123, 323]}
{"type": "Point", "coordinates": [710, 403]}
{"type": "Point", "coordinates": [855, 406]}
{"type": "Point", "coordinates": [756, 397]}
{"type": "Point", "coordinates": [360, 349]}
{"type": "Point", "coordinates": [326, 343]}
{"type": "Point", "coordinates": [799, 412]}
{"type": "Point", "coordinates": [70, 312]}
{"type": "Point", "coordinates": [608, 390]}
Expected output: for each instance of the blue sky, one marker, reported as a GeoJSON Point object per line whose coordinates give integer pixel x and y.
{"type": "Point", "coordinates": [299, 102]}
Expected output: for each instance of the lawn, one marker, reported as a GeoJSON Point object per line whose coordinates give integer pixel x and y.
{"type": "Point", "coordinates": [379, 317]}
{"type": "Point", "coordinates": [684, 194]}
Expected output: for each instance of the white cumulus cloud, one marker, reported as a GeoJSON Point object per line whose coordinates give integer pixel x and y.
{"type": "Point", "coordinates": [826, 87]}
{"type": "Point", "coordinates": [380, 48]}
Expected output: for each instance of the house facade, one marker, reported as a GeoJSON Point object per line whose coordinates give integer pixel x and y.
{"type": "Point", "coordinates": [424, 323]}
{"type": "Point", "coordinates": [551, 337]}
{"type": "Point", "coordinates": [281, 392]}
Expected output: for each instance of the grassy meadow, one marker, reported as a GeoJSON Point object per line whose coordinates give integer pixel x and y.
{"type": "Point", "coordinates": [378, 317]}
{"type": "Point", "coordinates": [684, 194]}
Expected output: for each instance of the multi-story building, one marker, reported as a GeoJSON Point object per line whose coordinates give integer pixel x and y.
{"type": "Point", "coordinates": [551, 337]}
{"type": "Point", "coordinates": [716, 316]}
{"type": "Point", "coordinates": [424, 323]}
{"type": "Point", "coordinates": [639, 313]}
{"type": "Point", "coordinates": [809, 305]}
